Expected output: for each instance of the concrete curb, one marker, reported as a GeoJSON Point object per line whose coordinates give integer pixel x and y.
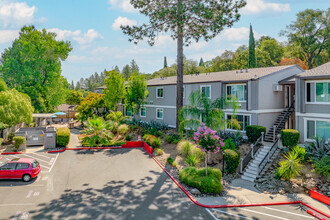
{"type": "Point", "coordinates": [8, 153]}
{"type": "Point", "coordinates": [141, 144]}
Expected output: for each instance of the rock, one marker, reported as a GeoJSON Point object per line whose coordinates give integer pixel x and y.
{"type": "Point", "coordinates": [324, 189]}
{"type": "Point", "coordinates": [281, 191]}
{"type": "Point", "coordinates": [195, 191]}
{"type": "Point", "coordinates": [296, 188]}
{"type": "Point", "coordinates": [308, 175]}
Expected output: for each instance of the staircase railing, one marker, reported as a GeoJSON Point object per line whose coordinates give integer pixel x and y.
{"type": "Point", "coordinates": [269, 155]}
{"type": "Point", "coordinates": [254, 148]}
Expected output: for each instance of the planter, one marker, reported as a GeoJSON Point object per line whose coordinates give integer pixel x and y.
{"type": "Point", "coordinates": [320, 197]}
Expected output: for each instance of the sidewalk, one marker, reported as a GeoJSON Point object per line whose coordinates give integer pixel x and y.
{"type": "Point", "coordinates": [74, 141]}
{"type": "Point", "coordinates": [244, 192]}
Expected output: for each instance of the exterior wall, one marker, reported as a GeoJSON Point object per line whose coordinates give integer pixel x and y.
{"type": "Point", "coordinates": [301, 125]}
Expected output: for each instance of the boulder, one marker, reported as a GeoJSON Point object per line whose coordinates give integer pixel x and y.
{"type": "Point", "coordinates": [195, 191]}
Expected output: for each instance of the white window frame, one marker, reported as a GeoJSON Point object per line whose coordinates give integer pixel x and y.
{"type": "Point", "coordinates": [204, 86]}
{"type": "Point", "coordinates": [305, 127]}
{"type": "Point", "coordinates": [238, 84]}
{"type": "Point", "coordinates": [184, 89]}
{"type": "Point", "coordinates": [229, 113]}
{"type": "Point", "coordinates": [157, 114]}
{"type": "Point", "coordinates": [158, 97]}
{"type": "Point", "coordinates": [315, 81]}
{"type": "Point", "coordinates": [145, 110]}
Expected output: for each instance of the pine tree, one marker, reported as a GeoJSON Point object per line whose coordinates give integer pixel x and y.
{"type": "Point", "coordinates": [134, 67]}
{"type": "Point", "coordinates": [252, 52]}
{"type": "Point", "coordinates": [165, 62]}
{"type": "Point", "coordinates": [117, 69]}
{"type": "Point", "coordinates": [126, 72]}
{"type": "Point", "coordinates": [201, 62]}
{"type": "Point", "coordinates": [72, 85]}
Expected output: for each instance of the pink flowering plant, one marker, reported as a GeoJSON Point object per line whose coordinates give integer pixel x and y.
{"type": "Point", "coordinates": [207, 140]}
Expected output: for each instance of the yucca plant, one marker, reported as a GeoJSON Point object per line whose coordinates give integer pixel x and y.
{"type": "Point", "coordinates": [290, 167]}
{"type": "Point", "coordinates": [300, 151]}
{"type": "Point", "coordinates": [318, 148]}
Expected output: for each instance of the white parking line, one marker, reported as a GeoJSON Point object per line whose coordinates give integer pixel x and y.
{"type": "Point", "coordinates": [227, 213]}
{"type": "Point", "coordinates": [53, 162]}
{"type": "Point", "coordinates": [17, 204]}
{"type": "Point", "coordinates": [261, 213]}
{"type": "Point", "coordinates": [42, 155]}
{"type": "Point", "coordinates": [215, 218]}
{"type": "Point", "coordinates": [37, 159]}
{"type": "Point", "coordinates": [44, 167]}
{"type": "Point", "coordinates": [292, 213]}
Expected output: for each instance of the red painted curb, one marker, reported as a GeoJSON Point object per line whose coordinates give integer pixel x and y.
{"type": "Point", "coordinates": [320, 197]}
{"type": "Point", "coordinates": [6, 153]}
{"type": "Point", "coordinates": [1, 158]}
{"type": "Point", "coordinates": [149, 150]}
{"type": "Point", "coordinates": [315, 215]}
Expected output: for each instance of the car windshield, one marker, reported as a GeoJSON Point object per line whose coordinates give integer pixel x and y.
{"type": "Point", "coordinates": [35, 164]}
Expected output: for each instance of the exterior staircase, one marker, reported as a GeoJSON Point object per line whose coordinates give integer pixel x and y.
{"type": "Point", "coordinates": [251, 171]}
{"type": "Point", "coordinates": [279, 124]}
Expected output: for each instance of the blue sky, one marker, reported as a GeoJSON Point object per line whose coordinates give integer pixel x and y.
{"type": "Point", "coordinates": [92, 27]}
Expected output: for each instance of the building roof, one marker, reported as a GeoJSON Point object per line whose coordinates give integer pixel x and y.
{"type": "Point", "coordinates": [100, 88]}
{"type": "Point", "coordinates": [225, 76]}
{"type": "Point", "coordinates": [322, 71]}
{"type": "Point", "coordinates": [65, 108]}
{"type": "Point", "coordinates": [42, 115]}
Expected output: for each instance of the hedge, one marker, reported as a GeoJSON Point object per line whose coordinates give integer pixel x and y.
{"type": "Point", "coordinates": [254, 131]}
{"type": "Point", "coordinates": [290, 137]}
{"type": "Point", "coordinates": [62, 137]}
{"type": "Point", "coordinates": [195, 177]}
{"type": "Point", "coordinates": [231, 160]}
{"type": "Point", "coordinates": [1, 141]}
{"type": "Point", "coordinates": [19, 141]}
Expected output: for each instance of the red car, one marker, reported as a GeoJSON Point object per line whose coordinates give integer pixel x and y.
{"type": "Point", "coordinates": [20, 168]}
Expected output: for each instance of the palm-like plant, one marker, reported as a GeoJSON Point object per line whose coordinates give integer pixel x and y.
{"type": "Point", "coordinates": [97, 133]}
{"type": "Point", "coordinates": [117, 117]}
{"type": "Point", "coordinates": [290, 167]}
{"type": "Point", "coordinates": [202, 109]}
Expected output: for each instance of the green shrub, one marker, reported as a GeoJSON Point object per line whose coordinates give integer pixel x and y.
{"type": "Point", "coordinates": [290, 166]}
{"type": "Point", "coordinates": [128, 137]}
{"type": "Point", "coordinates": [158, 151]}
{"type": "Point", "coordinates": [18, 141]}
{"type": "Point", "coordinates": [112, 126]}
{"type": "Point", "coordinates": [229, 144]}
{"type": "Point", "coordinates": [318, 148]}
{"type": "Point", "coordinates": [173, 138]}
{"type": "Point", "coordinates": [123, 129]}
{"type": "Point", "coordinates": [156, 143]}
{"type": "Point", "coordinates": [322, 167]}
{"type": "Point", "coordinates": [1, 141]}
{"type": "Point", "coordinates": [192, 160]}
{"type": "Point", "coordinates": [184, 148]}
{"type": "Point", "coordinates": [290, 137]}
{"type": "Point", "coordinates": [11, 136]}
{"type": "Point", "coordinates": [194, 177]}
{"type": "Point", "coordinates": [174, 164]}
{"type": "Point", "coordinates": [170, 160]}
{"type": "Point", "coordinates": [253, 132]}
{"type": "Point", "coordinates": [231, 160]}
{"type": "Point", "coordinates": [62, 137]}
{"type": "Point", "coordinates": [300, 151]}
{"type": "Point", "coordinates": [236, 137]}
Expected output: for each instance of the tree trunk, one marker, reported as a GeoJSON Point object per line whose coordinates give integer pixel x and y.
{"type": "Point", "coordinates": [206, 157]}
{"type": "Point", "coordinates": [179, 89]}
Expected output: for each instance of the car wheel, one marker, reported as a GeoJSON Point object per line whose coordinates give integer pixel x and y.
{"type": "Point", "coordinates": [26, 178]}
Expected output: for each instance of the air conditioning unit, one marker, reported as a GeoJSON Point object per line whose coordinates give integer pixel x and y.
{"type": "Point", "coordinates": [277, 88]}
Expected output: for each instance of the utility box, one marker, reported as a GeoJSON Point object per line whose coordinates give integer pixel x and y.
{"type": "Point", "coordinates": [38, 136]}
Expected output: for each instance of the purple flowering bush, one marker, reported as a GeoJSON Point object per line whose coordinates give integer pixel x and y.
{"type": "Point", "coordinates": [207, 140]}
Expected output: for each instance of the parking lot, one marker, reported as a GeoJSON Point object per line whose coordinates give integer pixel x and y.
{"type": "Point", "coordinates": [111, 184]}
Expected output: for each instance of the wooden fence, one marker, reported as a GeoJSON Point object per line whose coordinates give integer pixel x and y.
{"type": "Point", "coordinates": [7, 131]}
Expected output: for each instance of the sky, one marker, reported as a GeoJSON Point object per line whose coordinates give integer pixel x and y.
{"type": "Point", "coordinates": [93, 28]}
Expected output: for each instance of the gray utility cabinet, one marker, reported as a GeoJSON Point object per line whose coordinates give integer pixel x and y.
{"type": "Point", "coordinates": [38, 136]}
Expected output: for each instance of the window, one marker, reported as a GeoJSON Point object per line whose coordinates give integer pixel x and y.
{"type": "Point", "coordinates": [159, 113]}
{"type": "Point", "coordinates": [243, 121]}
{"type": "Point", "coordinates": [308, 88]}
{"type": "Point", "coordinates": [183, 92]}
{"type": "Point", "coordinates": [35, 164]}
{"type": "Point", "coordinates": [206, 90]}
{"type": "Point", "coordinates": [317, 128]}
{"type": "Point", "coordinates": [160, 92]}
{"type": "Point", "coordinates": [22, 166]}
{"type": "Point", "coordinates": [9, 166]}
{"type": "Point", "coordinates": [238, 91]}
{"type": "Point", "coordinates": [143, 112]}
{"type": "Point", "coordinates": [128, 112]}
{"type": "Point", "coordinates": [318, 92]}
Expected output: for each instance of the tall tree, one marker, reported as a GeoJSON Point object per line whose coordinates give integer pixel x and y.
{"type": "Point", "coordinates": [72, 85]}
{"type": "Point", "coordinates": [134, 67]}
{"type": "Point", "coordinates": [311, 33]}
{"type": "Point", "coordinates": [126, 72]}
{"type": "Point", "coordinates": [74, 97]}
{"type": "Point", "coordinates": [187, 20]}
{"type": "Point", "coordinates": [136, 92]}
{"type": "Point", "coordinates": [32, 65]}
{"type": "Point", "coordinates": [252, 52]}
{"type": "Point", "coordinates": [201, 62]}
{"type": "Point", "coordinates": [273, 48]}
{"type": "Point", "coordinates": [3, 85]}
{"type": "Point", "coordinates": [115, 91]}
{"type": "Point", "coordinates": [117, 69]}
{"type": "Point", "coordinates": [165, 62]}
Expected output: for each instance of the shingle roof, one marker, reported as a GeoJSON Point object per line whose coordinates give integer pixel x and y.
{"type": "Point", "coordinates": [226, 76]}
{"type": "Point", "coordinates": [317, 72]}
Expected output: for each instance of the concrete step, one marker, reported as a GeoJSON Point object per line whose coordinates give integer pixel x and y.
{"type": "Point", "coordinates": [250, 172]}
{"type": "Point", "coordinates": [254, 176]}
{"type": "Point", "coordinates": [247, 178]}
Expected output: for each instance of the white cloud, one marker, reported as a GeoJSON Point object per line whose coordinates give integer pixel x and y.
{"type": "Point", "coordinates": [197, 45]}
{"type": "Point", "coordinates": [88, 37]}
{"type": "Point", "coordinates": [259, 6]}
{"type": "Point", "coordinates": [16, 14]}
{"type": "Point", "coordinates": [7, 36]}
{"type": "Point", "coordinates": [124, 5]}
{"type": "Point", "coordinates": [122, 21]}
{"type": "Point", "coordinates": [64, 34]}
{"type": "Point", "coordinates": [237, 34]}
